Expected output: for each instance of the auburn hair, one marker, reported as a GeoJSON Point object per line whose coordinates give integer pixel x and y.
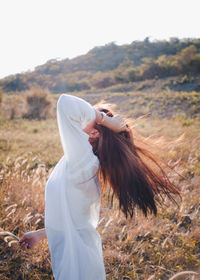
{"type": "Point", "coordinates": [127, 169]}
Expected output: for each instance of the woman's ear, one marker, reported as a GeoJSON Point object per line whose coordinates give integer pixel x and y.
{"type": "Point", "coordinates": [94, 133]}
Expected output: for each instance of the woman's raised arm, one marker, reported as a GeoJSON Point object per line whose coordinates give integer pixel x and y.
{"type": "Point", "coordinates": [73, 115]}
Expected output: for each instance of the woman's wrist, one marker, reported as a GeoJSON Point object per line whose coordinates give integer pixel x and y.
{"type": "Point", "coordinates": [41, 233]}
{"type": "Point", "coordinates": [100, 117]}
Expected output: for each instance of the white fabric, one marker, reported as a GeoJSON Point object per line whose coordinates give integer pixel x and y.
{"type": "Point", "coordinates": [72, 198]}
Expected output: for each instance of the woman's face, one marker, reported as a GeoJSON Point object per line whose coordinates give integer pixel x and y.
{"type": "Point", "coordinates": [91, 131]}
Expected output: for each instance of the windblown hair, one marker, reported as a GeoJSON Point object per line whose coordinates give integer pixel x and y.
{"type": "Point", "coordinates": [126, 168]}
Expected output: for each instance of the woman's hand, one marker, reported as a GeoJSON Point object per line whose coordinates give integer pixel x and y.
{"type": "Point", "coordinates": [31, 238]}
{"type": "Point", "coordinates": [115, 123]}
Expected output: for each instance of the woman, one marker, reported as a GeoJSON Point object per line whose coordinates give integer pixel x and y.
{"type": "Point", "coordinates": [98, 147]}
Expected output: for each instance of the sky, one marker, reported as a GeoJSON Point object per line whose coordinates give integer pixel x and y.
{"type": "Point", "coordinates": [34, 31]}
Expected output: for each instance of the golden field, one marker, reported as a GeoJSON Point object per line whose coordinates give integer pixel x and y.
{"type": "Point", "coordinates": [163, 247]}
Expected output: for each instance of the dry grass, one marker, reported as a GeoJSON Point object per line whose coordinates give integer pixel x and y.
{"type": "Point", "coordinates": [22, 209]}
{"type": "Point", "coordinates": [165, 247]}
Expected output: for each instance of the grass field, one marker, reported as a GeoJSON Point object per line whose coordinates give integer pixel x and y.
{"type": "Point", "coordinates": [144, 249]}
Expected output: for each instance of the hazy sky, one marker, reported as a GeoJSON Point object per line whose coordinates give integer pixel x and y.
{"type": "Point", "coordinates": [34, 31]}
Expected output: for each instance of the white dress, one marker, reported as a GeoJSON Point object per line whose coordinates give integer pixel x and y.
{"type": "Point", "coordinates": [72, 198]}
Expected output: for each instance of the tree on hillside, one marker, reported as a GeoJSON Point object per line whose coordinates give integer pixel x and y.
{"type": "Point", "coordinates": [18, 83]}
{"type": "Point", "coordinates": [187, 54]}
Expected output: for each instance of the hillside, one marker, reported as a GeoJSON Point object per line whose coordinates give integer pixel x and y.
{"type": "Point", "coordinates": [111, 65]}
{"type": "Point", "coordinates": [172, 97]}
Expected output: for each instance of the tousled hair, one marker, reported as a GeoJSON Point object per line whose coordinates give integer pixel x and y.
{"type": "Point", "coordinates": [123, 167]}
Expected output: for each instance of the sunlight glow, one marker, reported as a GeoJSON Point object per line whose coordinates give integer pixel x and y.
{"type": "Point", "coordinates": [35, 31]}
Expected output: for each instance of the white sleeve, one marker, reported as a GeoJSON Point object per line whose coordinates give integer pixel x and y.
{"type": "Point", "coordinates": [73, 115]}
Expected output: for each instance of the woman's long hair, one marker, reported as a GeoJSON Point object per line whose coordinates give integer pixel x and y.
{"type": "Point", "coordinates": [123, 167]}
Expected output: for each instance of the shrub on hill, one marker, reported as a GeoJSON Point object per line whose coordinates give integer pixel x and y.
{"type": "Point", "coordinates": [39, 104]}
